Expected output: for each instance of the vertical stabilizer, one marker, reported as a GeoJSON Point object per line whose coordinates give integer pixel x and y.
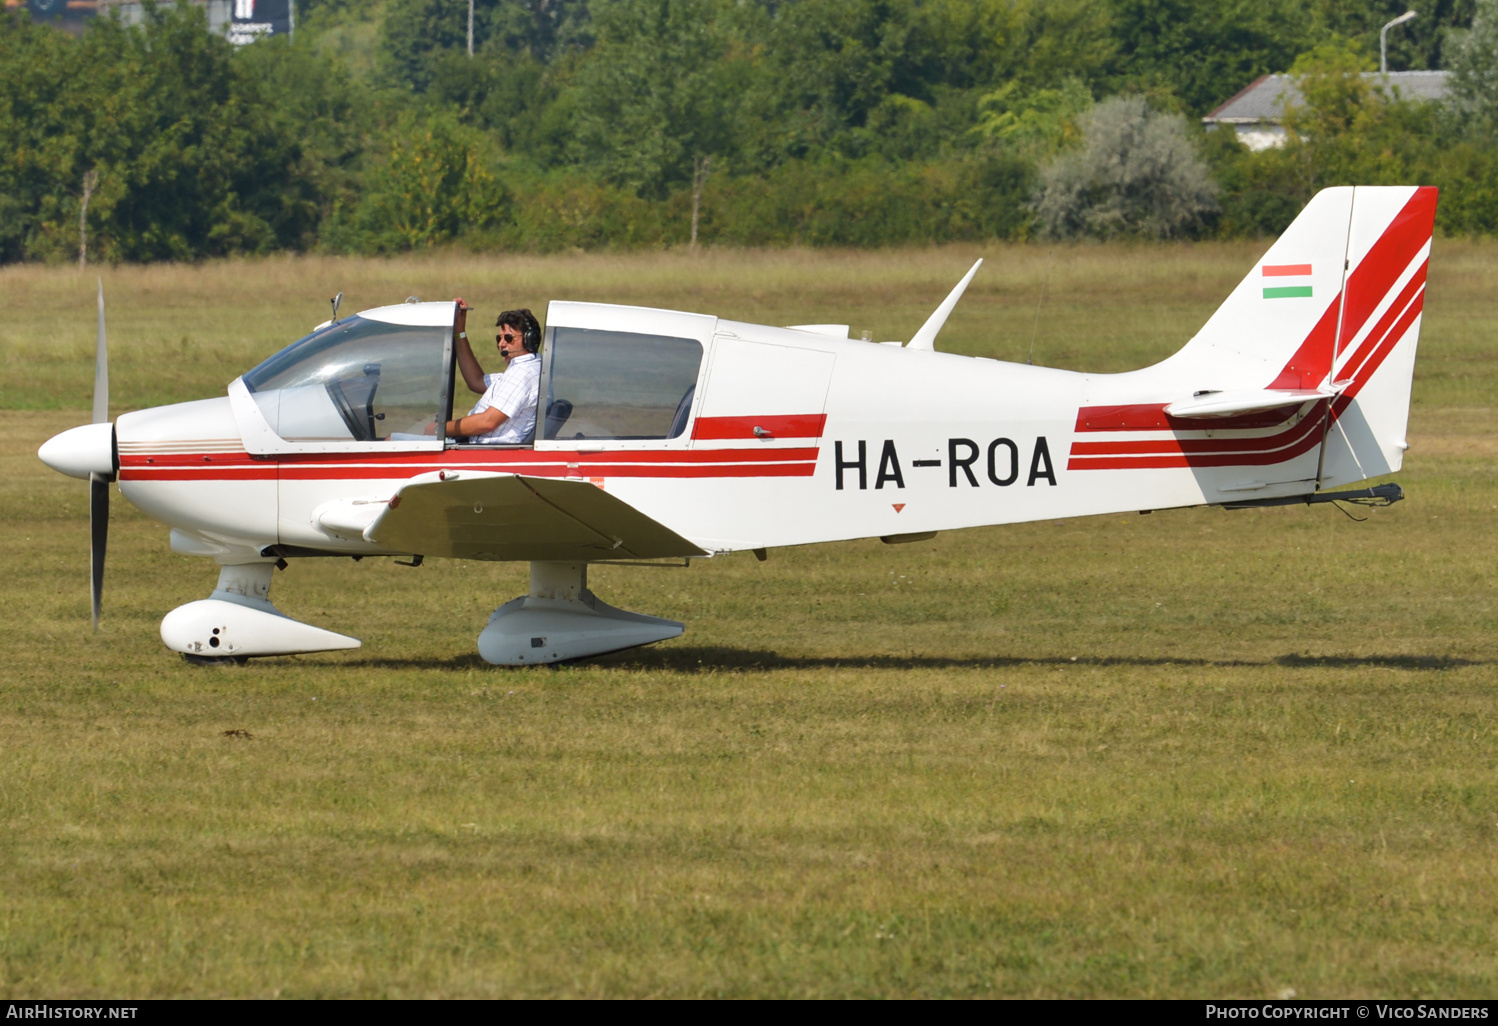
{"type": "Point", "coordinates": [1277, 328]}
{"type": "Point", "coordinates": [1301, 379]}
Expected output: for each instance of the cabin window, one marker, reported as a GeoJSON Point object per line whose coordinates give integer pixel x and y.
{"type": "Point", "coordinates": [617, 384]}
{"type": "Point", "coordinates": [355, 381]}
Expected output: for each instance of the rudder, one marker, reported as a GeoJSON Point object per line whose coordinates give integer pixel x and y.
{"type": "Point", "coordinates": [1378, 332]}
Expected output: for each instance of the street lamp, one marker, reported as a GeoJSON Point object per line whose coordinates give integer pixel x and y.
{"type": "Point", "coordinates": [1383, 40]}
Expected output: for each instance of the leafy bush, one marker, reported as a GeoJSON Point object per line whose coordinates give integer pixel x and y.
{"type": "Point", "coordinates": [569, 211]}
{"type": "Point", "coordinates": [1135, 173]}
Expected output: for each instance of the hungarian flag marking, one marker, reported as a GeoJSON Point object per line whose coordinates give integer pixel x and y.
{"type": "Point", "coordinates": [1290, 289]}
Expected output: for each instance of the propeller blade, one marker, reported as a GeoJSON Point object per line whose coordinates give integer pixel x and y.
{"type": "Point", "coordinates": [98, 521]}
{"type": "Point", "coordinates": [101, 369]}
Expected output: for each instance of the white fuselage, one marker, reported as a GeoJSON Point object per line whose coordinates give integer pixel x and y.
{"type": "Point", "coordinates": [855, 440]}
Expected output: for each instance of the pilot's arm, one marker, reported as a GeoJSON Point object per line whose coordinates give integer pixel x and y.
{"type": "Point", "coordinates": [468, 365]}
{"type": "Point", "coordinates": [476, 423]}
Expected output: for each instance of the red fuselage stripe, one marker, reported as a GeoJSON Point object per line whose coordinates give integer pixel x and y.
{"type": "Point", "coordinates": [505, 459]}
{"type": "Point", "coordinates": [761, 461]}
{"type": "Point", "coordinates": [480, 459]}
{"type": "Point", "coordinates": [1152, 417]}
{"type": "Point", "coordinates": [807, 425]}
{"type": "Point", "coordinates": [377, 473]}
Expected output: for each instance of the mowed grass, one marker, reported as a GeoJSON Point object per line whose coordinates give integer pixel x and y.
{"type": "Point", "coordinates": [1192, 753]}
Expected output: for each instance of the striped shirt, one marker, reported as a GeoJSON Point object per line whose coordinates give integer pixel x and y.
{"type": "Point", "coordinates": [515, 393]}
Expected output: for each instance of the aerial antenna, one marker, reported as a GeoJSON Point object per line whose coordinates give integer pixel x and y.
{"type": "Point", "coordinates": [1035, 328]}
{"type": "Point", "coordinates": [337, 301]}
{"type": "Point", "coordinates": [926, 337]}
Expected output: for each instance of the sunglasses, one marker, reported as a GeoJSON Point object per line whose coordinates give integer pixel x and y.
{"type": "Point", "coordinates": [506, 338]}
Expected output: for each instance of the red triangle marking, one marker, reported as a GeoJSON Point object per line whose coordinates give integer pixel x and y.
{"type": "Point", "coordinates": [898, 506]}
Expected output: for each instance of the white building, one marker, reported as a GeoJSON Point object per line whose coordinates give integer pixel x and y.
{"type": "Point", "coordinates": [132, 12]}
{"type": "Point", "coordinates": [1257, 113]}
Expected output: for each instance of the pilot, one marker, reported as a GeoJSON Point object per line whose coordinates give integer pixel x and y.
{"type": "Point", "coordinates": [506, 413]}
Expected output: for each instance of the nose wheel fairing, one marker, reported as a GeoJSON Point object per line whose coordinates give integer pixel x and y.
{"type": "Point", "coordinates": [238, 621]}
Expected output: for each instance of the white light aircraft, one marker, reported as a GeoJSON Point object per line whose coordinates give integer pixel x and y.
{"type": "Point", "coordinates": [666, 435]}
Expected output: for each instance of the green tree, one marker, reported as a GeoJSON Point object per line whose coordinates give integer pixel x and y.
{"type": "Point", "coordinates": [1063, 40]}
{"type": "Point", "coordinates": [658, 93]}
{"type": "Point", "coordinates": [1204, 51]}
{"type": "Point", "coordinates": [513, 96]}
{"type": "Point", "coordinates": [415, 34]}
{"type": "Point", "coordinates": [433, 185]}
{"type": "Point", "coordinates": [192, 157]}
{"type": "Point", "coordinates": [312, 132]}
{"type": "Point", "coordinates": [1033, 124]}
{"type": "Point", "coordinates": [1415, 45]}
{"type": "Point", "coordinates": [1473, 60]}
{"type": "Point", "coordinates": [827, 66]}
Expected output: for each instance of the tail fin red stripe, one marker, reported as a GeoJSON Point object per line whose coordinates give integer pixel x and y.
{"type": "Point", "coordinates": [1356, 367]}
{"type": "Point", "coordinates": [1387, 346]}
{"type": "Point", "coordinates": [1377, 272]}
{"type": "Point", "coordinates": [1312, 362]}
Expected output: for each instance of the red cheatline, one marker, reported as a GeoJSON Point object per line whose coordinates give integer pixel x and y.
{"type": "Point", "coordinates": [1286, 270]}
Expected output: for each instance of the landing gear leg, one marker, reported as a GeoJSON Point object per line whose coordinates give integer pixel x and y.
{"type": "Point", "coordinates": [561, 619]}
{"type": "Point", "coordinates": [238, 621]}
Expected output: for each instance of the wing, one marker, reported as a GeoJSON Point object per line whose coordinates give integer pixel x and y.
{"type": "Point", "coordinates": [510, 517]}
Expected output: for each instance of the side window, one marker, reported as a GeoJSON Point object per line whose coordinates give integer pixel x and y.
{"type": "Point", "coordinates": [355, 381]}
{"type": "Point", "coordinates": [617, 384]}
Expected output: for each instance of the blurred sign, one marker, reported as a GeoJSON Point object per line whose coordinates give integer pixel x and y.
{"type": "Point", "coordinates": [256, 19]}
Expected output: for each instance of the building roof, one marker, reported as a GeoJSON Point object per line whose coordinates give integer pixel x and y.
{"type": "Point", "coordinates": [1266, 97]}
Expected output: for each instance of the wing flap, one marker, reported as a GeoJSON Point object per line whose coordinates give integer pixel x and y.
{"type": "Point", "coordinates": [512, 517]}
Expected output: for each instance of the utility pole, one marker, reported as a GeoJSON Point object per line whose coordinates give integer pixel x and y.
{"type": "Point", "coordinates": [470, 28]}
{"type": "Point", "coordinates": [90, 183]}
{"type": "Point", "coordinates": [1383, 40]}
{"type": "Point", "coordinates": [700, 166]}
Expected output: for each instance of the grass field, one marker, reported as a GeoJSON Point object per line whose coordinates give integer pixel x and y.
{"type": "Point", "coordinates": [1187, 754]}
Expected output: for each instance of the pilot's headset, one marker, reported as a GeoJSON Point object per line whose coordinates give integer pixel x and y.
{"type": "Point", "coordinates": [530, 328]}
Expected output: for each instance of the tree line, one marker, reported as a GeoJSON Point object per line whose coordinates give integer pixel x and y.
{"type": "Point", "coordinates": [634, 123]}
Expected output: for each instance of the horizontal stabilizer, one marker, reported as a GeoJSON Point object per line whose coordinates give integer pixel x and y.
{"type": "Point", "coordinates": [1230, 404]}
{"type": "Point", "coordinates": [511, 517]}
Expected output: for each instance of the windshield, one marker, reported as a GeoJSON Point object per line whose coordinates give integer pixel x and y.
{"type": "Point", "coordinates": [357, 380]}
{"type": "Point", "coordinates": [618, 384]}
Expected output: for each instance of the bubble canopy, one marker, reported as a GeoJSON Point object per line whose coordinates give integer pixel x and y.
{"type": "Point", "coordinates": [379, 376]}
